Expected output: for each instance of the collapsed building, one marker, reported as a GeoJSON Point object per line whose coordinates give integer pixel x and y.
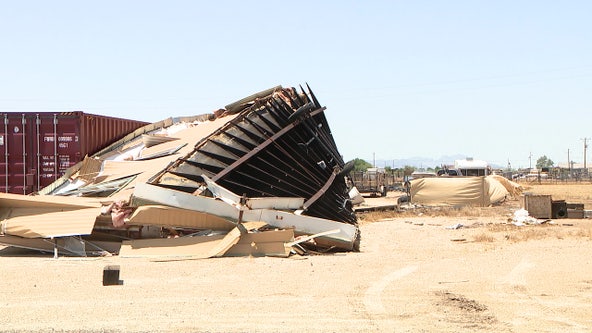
{"type": "Point", "coordinates": [262, 176]}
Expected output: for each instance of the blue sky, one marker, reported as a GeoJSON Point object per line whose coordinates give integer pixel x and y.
{"type": "Point", "coordinates": [495, 80]}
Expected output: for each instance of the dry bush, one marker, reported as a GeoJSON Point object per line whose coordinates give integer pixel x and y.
{"type": "Point", "coordinates": [435, 211]}
{"type": "Point", "coordinates": [538, 233]}
{"type": "Point", "coordinates": [484, 238]}
{"type": "Point", "coordinates": [467, 211]}
{"type": "Point", "coordinates": [369, 217]}
{"type": "Point", "coordinates": [514, 233]}
{"type": "Point", "coordinates": [502, 227]}
{"type": "Point", "coordinates": [584, 232]}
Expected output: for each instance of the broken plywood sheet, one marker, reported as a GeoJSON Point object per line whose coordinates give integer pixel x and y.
{"type": "Point", "coordinates": [112, 170]}
{"type": "Point", "coordinates": [195, 247]}
{"type": "Point", "coordinates": [189, 136]}
{"type": "Point", "coordinates": [265, 243]}
{"type": "Point", "coordinates": [46, 201]}
{"type": "Point", "coordinates": [90, 168]}
{"type": "Point", "coordinates": [185, 248]}
{"type": "Point", "coordinates": [160, 153]}
{"type": "Point", "coordinates": [150, 140]}
{"type": "Point", "coordinates": [303, 239]}
{"type": "Point", "coordinates": [47, 222]}
{"type": "Point", "coordinates": [177, 217]}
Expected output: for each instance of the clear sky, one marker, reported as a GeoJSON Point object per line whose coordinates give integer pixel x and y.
{"type": "Point", "coordinates": [495, 80]}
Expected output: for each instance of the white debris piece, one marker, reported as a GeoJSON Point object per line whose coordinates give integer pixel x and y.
{"type": "Point", "coordinates": [521, 218]}
{"type": "Point", "coordinates": [455, 226]}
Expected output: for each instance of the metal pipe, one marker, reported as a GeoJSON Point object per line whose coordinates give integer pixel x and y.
{"type": "Point", "coordinates": [23, 121]}
{"type": "Point", "coordinates": [6, 151]}
{"type": "Point", "coordinates": [38, 122]}
{"type": "Point", "coordinates": [55, 146]}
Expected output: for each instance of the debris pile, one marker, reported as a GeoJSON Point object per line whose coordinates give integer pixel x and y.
{"type": "Point", "coordinates": [521, 218]}
{"type": "Point", "coordinates": [262, 176]}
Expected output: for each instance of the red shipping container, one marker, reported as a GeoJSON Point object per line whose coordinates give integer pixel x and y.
{"type": "Point", "coordinates": [36, 148]}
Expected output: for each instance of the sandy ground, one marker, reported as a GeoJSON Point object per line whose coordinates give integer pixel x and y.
{"type": "Point", "coordinates": [413, 274]}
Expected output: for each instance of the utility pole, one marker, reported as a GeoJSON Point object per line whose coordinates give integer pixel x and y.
{"type": "Point", "coordinates": [529, 161]}
{"type": "Point", "coordinates": [585, 148]}
{"type": "Point", "coordinates": [568, 162]}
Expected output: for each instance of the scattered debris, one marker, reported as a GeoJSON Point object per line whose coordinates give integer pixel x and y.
{"type": "Point", "coordinates": [542, 206]}
{"type": "Point", "coordinates": [209, 246]}
{"type": "Point", "coordinates": [111, 275]}
{"type": "Point", "coordinates": [521, 218]}
{"type": "Point", "coordinates": [446, 282]}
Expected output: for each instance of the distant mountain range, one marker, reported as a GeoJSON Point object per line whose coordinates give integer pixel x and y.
{"type": "Point", "coordinates": [422, 162]}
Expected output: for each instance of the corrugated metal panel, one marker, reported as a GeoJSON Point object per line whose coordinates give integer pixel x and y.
{"type": "Point", "coordinates": [36, 148]}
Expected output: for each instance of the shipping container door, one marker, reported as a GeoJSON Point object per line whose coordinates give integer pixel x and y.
{"type": "Point", "coordinates": [47, 158]}
{"type": "Point", "coordinates": [4, 170]}
{"type": "Point", "coordinates": [59, 146]}
{"type": "Point", "coordinates": [17, 155]}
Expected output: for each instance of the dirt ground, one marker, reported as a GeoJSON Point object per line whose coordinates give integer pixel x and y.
{"type": "Point", "coordinates": [415, 273]}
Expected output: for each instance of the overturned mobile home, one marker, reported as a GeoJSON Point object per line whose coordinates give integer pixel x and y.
{"type": "Point", "coordinates": [255, 178]}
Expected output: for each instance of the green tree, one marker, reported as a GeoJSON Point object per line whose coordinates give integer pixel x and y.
{"type": "Point", "coordinates": [544, 162]}
{"type": "Point", "coordinates": [408, 170]}
{"type": "Point", "coordinates": [361, 165]}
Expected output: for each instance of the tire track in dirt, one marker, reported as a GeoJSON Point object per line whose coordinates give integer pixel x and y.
{"type": "Point", "coordinates": [373, 295]}
{"type": "Point", "coordinates": [517, 281]}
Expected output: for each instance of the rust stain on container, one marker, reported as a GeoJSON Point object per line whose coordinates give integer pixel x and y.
{"type": "Point", "coordinates": [36, 148]}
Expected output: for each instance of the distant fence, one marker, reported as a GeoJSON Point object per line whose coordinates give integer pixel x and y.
{"type": "Point", "coordinates": [554, 177]}
{"type": "Point", "coordinates": [394, 180]}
